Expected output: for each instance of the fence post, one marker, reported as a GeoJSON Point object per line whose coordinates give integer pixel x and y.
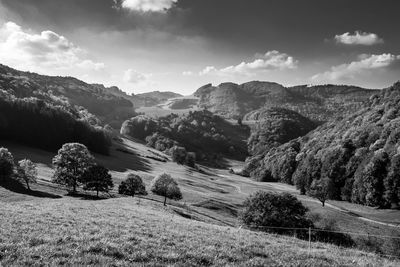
{"type": "Point", "coordinates": [309, 241]}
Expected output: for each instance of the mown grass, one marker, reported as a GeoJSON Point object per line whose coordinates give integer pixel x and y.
{"type": "Point", "coordinates": [122, 232]}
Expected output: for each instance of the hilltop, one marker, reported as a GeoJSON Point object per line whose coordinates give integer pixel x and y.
{"type": "Point", "coordinates": [319, 103]}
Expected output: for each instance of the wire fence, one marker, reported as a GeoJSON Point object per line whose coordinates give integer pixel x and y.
{"type": "Point", "coordinates": [310, 237]}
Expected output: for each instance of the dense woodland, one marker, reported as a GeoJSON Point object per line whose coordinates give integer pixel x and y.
{"type": "Point", "coordinates": [318, 103]}
{"type": "Point", "coordinates": [41, 124]}
{"type": "Point", "coordinates": [200, 131]}
{"type": "Point", "coordinates": [359, 155]}
{"type": "Point", "coordinates": [110, 105]}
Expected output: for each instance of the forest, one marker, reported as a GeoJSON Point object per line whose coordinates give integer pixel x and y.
{"type": "Point", "coordinates": [38, 123]}
{"type": "Point", "coordinates": [358, 156]}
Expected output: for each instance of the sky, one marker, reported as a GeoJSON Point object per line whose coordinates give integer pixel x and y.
{"type": "Point", "coordinates": [180, 45]}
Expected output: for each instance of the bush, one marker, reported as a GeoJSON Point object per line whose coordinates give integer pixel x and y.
{"type": "Point", "coordinates": [178, 154]}
{"type": "Point", "coordinates": [164, 185]}
{"type": "Point", "coordinates": [191, 159]}
{"type": "Point", "coordinates": [132, 185]}
{"type": "Point", "coordinates": [265, 209]}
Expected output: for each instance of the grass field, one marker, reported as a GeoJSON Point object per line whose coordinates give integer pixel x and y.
{"type": "Point", "coordinates": [123, 232]}
{"type": "Point", "coordinates": [214, 196]}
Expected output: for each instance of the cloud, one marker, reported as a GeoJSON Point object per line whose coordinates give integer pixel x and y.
{"type": "Point", "coordinates": [350, 71]}
{"type": "Point", "coordinates": [135, 77]}
{"type": "Point", "coordinates": [46, 52]}
{"type": "Point", "coordinates": [187, 73]}
{"type": "Point", "coordinates": [148, 5]}
{"type": "Point", "coordinates": [272, 60]}
{"type": "Point", "coordinates": [358, 38]}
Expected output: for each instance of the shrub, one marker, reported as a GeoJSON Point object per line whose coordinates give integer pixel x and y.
{"type": "Point", "coordinates": [71, 162]}
{"type": "Point", "coordinates": [191, 159]}
{"type": "Point", "coordinates": [178, 154]}
{"type": "Point", "coordinates": [132, 185]}
{"type": "Point", "coordinates": [97, 178]}
{"type": "Point", "coordinates": [164, 185]}
{"type": "Point", "coordinates": [266, 209]}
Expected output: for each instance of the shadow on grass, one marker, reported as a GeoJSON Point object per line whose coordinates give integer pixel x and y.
{"type": "Point", "coordinates": [17, 187]}
{"type": "Point", "coordinates": [89, 196]}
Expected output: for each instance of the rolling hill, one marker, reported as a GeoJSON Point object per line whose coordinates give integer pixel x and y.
{"type": "Point", "coordinates": [359, 154]}
{"type": "Point", "coordinates": [319, 103]}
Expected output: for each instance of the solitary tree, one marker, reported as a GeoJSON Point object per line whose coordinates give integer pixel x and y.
{"type": "Point", "coordinates": [27, 171]}
{"type": "Point", "coordinates": [6, 164]}
{"type": "Point", "coordinates": [164, 185]}
{"type": "Point", "coordinates": [266, 209]}
{"type": "Point", "coordinates": [71, 162]}
{"type": "Point", "coordinates": [321, 189]}
{"type": "Point", "coordinates": [96, 178]}
{"type": "Point", "coordinates": [132, 185]}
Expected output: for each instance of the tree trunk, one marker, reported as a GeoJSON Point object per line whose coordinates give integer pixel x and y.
{"type": "Point", "coordinates": [27, 185]}
{"type": "Point", "coordinates": [323, 203]}
{"type": "Point", "coordinates": [165, 200]}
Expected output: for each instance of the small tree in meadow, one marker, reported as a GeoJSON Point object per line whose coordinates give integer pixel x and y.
{"type": "Point", "coordinates": [71, 162]}
{"type": "Point", "coordinates": [27, 171]}
{"type": "Point", "coordinates": [321, 189]}
{"type": "Point", "coordinates": [164, 185]}
{"type": "Point", "coordinates": [97, 178]}
{"type": "Point", "coordinates": [132, 185]}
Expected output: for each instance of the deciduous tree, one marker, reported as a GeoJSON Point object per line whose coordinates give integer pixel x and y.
{"type": "Point", "coordinates": [164, 185]}
{"type": "Point", "coordinates": [71, 162]}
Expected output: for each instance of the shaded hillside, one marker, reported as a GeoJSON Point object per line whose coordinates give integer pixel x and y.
{"type": "Point", "coordinates": [359, 155]}
{"type": "Point", "coordinates": [201, 131]}
{"type": "Point", "coordinates": [48, 124]}
{"type": "Point", "coordinates": [319, 103]}
{"type": "Point", "coordinates": [275, 126]}
{"type": "Point", "coordinates": [109, 104]}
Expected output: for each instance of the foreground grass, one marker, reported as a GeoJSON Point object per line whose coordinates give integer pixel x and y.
{"type": "Point", "coordinates": [124, 232]}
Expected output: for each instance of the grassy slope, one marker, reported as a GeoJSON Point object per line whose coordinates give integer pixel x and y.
{"type": "Point", "coordinates": [212, 197]}
{"type": "Point", "coordinates": [124, 232]}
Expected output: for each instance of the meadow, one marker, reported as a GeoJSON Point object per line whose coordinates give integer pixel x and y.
{"type": "Point", "coordinates": [48, 227]}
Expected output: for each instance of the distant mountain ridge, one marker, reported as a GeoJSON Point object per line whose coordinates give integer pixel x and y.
{"type": "Point", "coordinates": [319, 103]}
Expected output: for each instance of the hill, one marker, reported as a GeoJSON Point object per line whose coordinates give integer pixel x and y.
{"type": "Point", "coordinates": [124, 231]}
{"type": "Point", "coordinates": [359, 155]}
{"type": "Point", "coordinates": [202, 132]}
{"type": "Point", "coordinates": [319, 103]}
{"type": "Point", "coordinates": [110, 105]}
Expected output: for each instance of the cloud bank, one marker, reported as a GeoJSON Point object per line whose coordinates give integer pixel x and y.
{"type": "Point", "coordinates": [46, 52]}
{"type": "Point", "coordinates": [365, 64]}
{"type": "Point", "coordinates": [148, 5]}
{"type": "Point", "coordinates": [358, 38]}
{"type": "Point", "coordinates": [272, 60]}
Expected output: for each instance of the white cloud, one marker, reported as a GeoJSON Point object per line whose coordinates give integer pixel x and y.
{"type": "Point", "coordinates": [352, 70]}
{"type": "Point", "coordinates": [272, 60]}
{"type": "Point", "coordinates": [47, 52]}
{"type": "Point", "coordinates": [135, 77]}
{"type": "Point", "coordinates": [187, 73]}
{"type": "Point", "coordinates": [148, 5]}
{"type": "Point", "coordinates": [358, 38]}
